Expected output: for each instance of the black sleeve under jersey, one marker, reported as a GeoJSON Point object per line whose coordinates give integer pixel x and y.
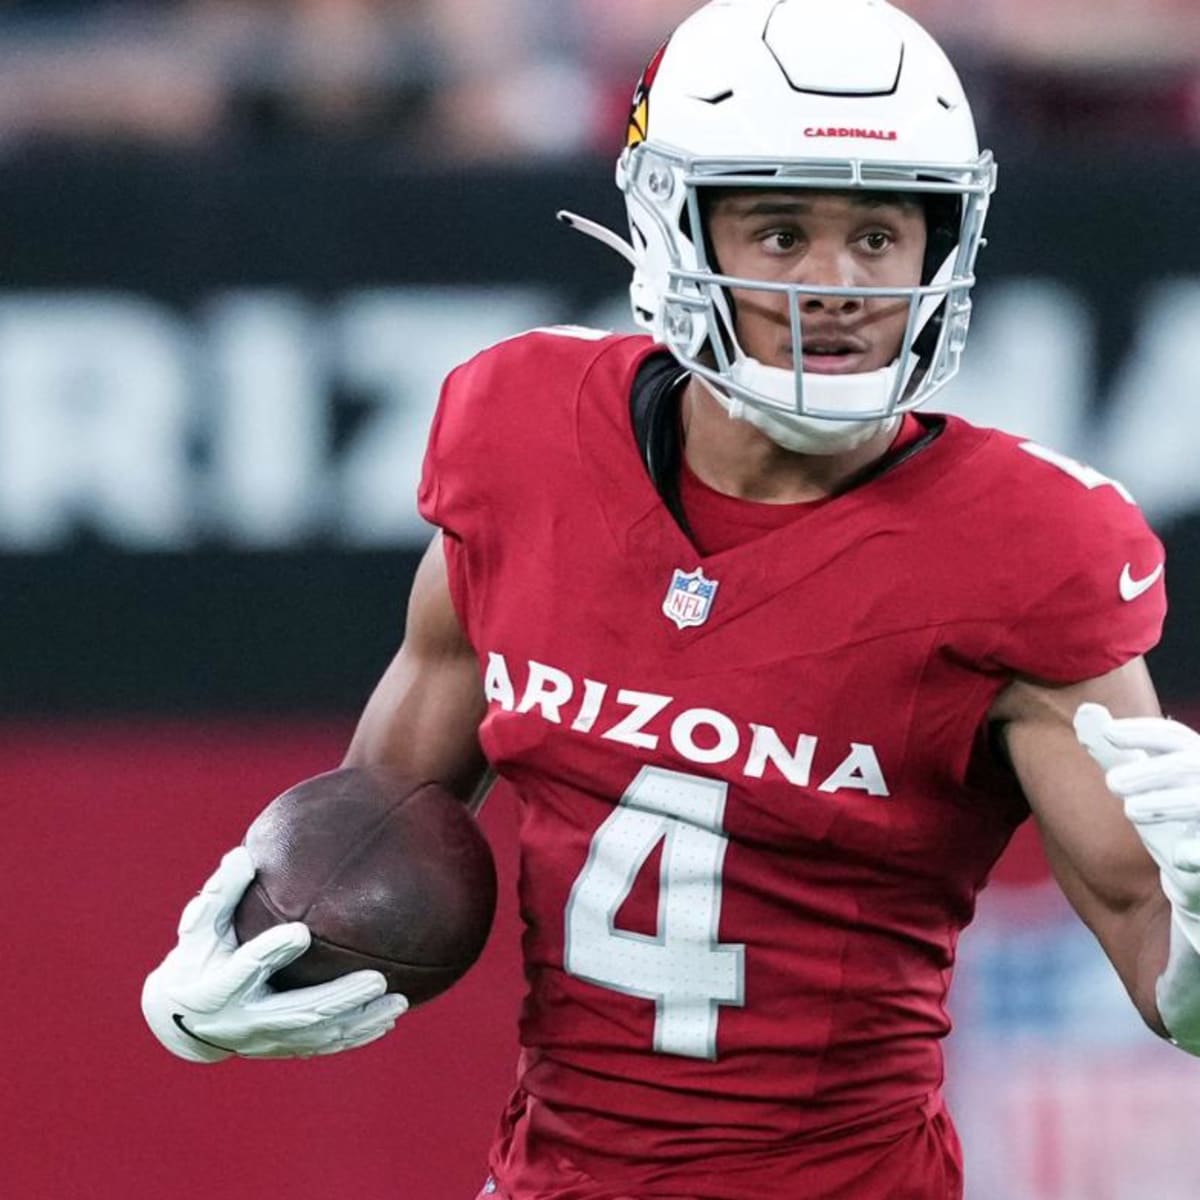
{"type": "Point", "coordinates": [654, 410]}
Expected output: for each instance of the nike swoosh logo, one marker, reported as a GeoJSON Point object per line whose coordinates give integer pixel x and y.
{"type": "Point", "coordinates": [1132, 588]}
{"type": "Point", "coordinates": [178, 1019]}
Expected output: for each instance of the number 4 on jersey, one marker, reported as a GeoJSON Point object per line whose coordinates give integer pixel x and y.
{"type": "Point", "coordinates": [684, 969]}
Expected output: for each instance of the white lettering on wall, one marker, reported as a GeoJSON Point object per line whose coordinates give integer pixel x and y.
{"type": "Point", "coordinates": [150, 429]}
{"type": "Point", "coordinates": [1028, 364]}
{"type": "Point", "coordinates": [393, 349]}
{"type": "Point", "coordinates": [1152, 437]}
{"type": "Point", "coordinates": [265, 419]}
{"type": "Point", "coordinates": [94, 422]}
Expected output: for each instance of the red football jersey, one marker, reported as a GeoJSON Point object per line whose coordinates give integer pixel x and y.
{"type": "Point", "coordinates": [755, 792]}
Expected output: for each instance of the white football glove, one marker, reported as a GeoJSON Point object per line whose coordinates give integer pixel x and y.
{"type": "Point", "coordinates": [210, 999]}
{"type": "Point", "coordinates": [1152, 764]}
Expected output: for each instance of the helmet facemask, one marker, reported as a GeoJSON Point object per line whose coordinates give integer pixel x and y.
{"type": "Point", "coordinates": [694, 315]}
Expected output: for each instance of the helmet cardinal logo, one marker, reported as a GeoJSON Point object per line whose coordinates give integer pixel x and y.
{"type": "Point", "coordinates": [639, 116]}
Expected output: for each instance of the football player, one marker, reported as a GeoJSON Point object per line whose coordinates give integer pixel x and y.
{"type": "Point", "coordinates": [773, 660]}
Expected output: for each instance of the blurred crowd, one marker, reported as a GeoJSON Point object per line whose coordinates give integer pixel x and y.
{"type": "Point", "coordinates": [472, 79]}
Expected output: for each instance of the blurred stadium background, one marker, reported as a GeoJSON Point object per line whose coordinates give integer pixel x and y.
{"type": "Point", "coordinates": [240, 243]}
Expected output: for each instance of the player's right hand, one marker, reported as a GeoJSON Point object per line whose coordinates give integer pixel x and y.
{"type": "Point", "coordinates": [209, 998]}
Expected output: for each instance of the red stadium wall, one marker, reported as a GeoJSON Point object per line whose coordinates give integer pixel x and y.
{"type": "Point", "coordinates": [110, 830]}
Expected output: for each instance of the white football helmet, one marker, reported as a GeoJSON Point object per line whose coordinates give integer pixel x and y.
{"type": "Point", "coordinates": [835, 95]}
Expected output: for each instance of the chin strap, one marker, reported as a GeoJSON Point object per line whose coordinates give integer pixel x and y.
{"type": "Point", "coordinates": [842, 397]}
{"type": "Point", "coordinates": [801, 435]}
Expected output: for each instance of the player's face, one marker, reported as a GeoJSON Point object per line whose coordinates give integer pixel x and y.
{"type": "Point", "coordinates": [827, 239]}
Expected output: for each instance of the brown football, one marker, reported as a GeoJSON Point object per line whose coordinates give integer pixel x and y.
{"type": "Point", "coordinates": [388, 874]}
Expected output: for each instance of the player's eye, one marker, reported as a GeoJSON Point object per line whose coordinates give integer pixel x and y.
{"type": "Point", "coordinates": [781, 241]}
{"type": "Point", "coordinates": [877, 241]}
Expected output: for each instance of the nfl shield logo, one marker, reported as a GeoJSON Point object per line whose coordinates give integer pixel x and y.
{"type": "Point", "coordinates": [689, 599]}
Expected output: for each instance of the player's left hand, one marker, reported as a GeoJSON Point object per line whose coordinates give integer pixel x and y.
{"type": "Point", "coordinates": [1152, 765]}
